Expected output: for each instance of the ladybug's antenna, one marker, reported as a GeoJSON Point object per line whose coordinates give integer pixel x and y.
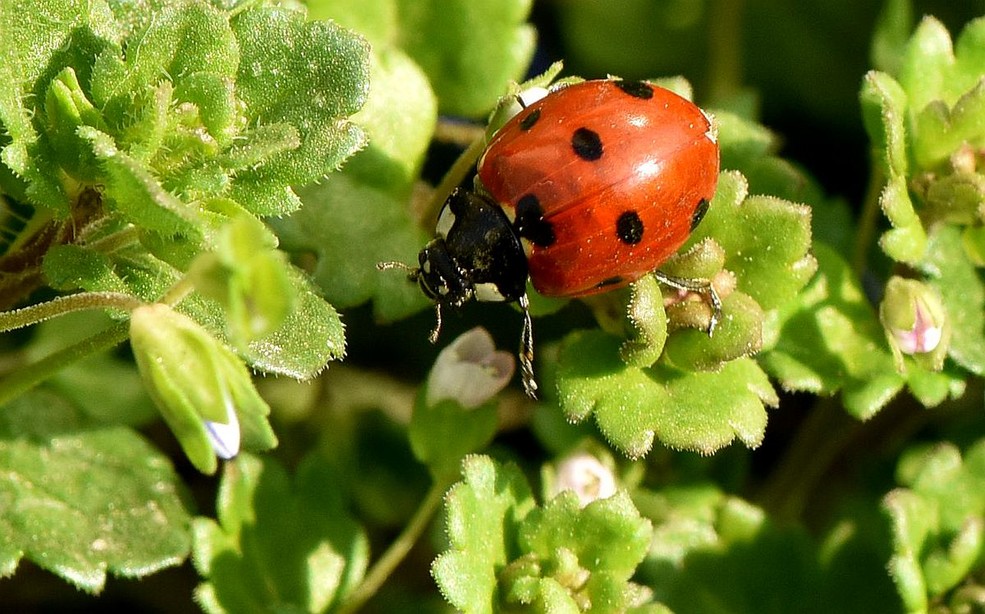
{"type": "Point", "coordinates": [385, 266]}
{"type": "Point", "coordinates": [526, 353]}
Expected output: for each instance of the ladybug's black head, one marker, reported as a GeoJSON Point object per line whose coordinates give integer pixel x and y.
{"type": "Point", "coordinates": [476, 254]}
{"type": "Point", "coordinates": [440, 277]}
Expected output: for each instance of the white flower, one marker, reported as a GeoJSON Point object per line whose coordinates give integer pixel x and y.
{"type": "Point", "coordinates": [586, 476]}
{"type": "Point", "coordinates": [469, 371]}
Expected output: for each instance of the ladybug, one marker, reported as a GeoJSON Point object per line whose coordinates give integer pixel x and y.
{"type": "Point", "coordinates": [587, 189]}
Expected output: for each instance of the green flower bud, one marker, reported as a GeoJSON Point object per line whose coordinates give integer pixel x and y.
{"type": "Point", "coordinates": [247, 276]}
{"type": "Point", "coordinates": [915, 322]}
{"type": "Point", "coordinates": [198, 384]}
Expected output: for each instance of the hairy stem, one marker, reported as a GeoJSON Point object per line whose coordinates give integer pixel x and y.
{"type": "Point", "coordinates": [24, 379]}
{"type": "Point", "coordinates": [19, 318]}
{"type": "Point", "coordinates": [390, 559]}
{"type": "Point", "coordinates": [455, 175]}
{"type": "Point", "coordinates": [867, 221]}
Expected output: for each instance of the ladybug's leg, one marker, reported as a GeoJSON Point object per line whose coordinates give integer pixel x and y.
{"type": "Point", "coordinates": [527, 349]}
{"type": "Point", "coordinates": [433, 337]}
{"type": "Point", "coordinates": [702, 286]}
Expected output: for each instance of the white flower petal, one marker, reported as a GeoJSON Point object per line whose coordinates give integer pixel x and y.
{"type": "Point", "coordinates": [469, 371]}
{"type": "Point", "coordinates": [225, 438]}
{"type": "Point", "coordinates": [586, 476]}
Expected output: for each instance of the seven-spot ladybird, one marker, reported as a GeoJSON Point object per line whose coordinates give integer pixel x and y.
{"type": "Point", "coordinates": [587, 189]}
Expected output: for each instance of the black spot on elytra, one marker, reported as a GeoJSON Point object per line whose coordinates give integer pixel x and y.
{"type": "Point", "coordinates": [610, 281]}
{"type": "Point", "coordinates": [699, 213]}
{"type": "Point", "coordinates": [587, 144]}
{"type": "Point", "coordinates": [530, 223]}
{"type": "Point", "coordinates": [629, 228]}
{"type": "Point", "coordinates": [636, 89]}
{"type": "Point", "coordinates": [531, 118]}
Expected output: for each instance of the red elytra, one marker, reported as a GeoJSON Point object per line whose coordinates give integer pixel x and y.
{"type": "Point", "coordinates": [604, 180]}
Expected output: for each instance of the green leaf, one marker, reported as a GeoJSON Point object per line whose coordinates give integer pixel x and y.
{"type": "Point", "coordinates": [648, 324]}
{"type": "Point", "coordinates": [927, 59]}
{"type": "Point", "coordinates": [593, 380]}
{"type": "Point", "coordinates": [942, 130]}
{"type": "Point", "coordinates": [766, 240]}
{"type": "Point", "coordinates": [68, 109]}
{"type": "Point", "coordinates": [366, 204]}
{"type": "Point", "coordinates": [933, 69]}
{"type": "Point", "coordinates": [399, 118]}
{"type": "Point", "coordinates": [716, 553]}
{"type": "Point", "coordinates": [469, 49]}
{"type": "Point", "coordinates": [311, 75]}
{"type": "Point", "coordinates": [182, 39]}
{"type": "Point", "coordinates": [80, 500]}
{"type": "Point", "coordinates": [340, 213]}
{"type": "Point", "coordinates": [831, 340]}
{"type": "Point", "coordinates": [70, 267]}
{"type": "Point", "coordinates": [248, 277]}
{"type": "Point", "coordinates": [441, 435]}
{"type": "Point", "coordinates": [281, 543]}
{"type": "Point", "coordinates": [694, 411]}
{"type": "Point", "coordinates": [134, 191]}
{"type": "Point", "coordinates": [484, 513]}
{"type": "Point", "coordinates": [739, 334]}
{"type": "Point", "coordinates": [885, 108]}
{"type": "Point", "coordinates": [50, 36]}
{"type": "Point", "coordinates": [708, 410]}
{"type": "Point", "coordinates": [963, 292]}
{"type": "Point", "coordinates": [589, 554]}
{"type": "Point", "coordinates": [310, 336]}
{"type": "Point", "coordinates": [377, 20]}
{"type": "Point", "coordinates": [938, 521]}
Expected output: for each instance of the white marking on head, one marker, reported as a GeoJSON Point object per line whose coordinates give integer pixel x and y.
{"type": "Point", "coordinates": [446, 219]}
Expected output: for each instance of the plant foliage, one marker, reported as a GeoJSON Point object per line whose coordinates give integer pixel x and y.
{"type": "Point", "coordinates": [195, 193]}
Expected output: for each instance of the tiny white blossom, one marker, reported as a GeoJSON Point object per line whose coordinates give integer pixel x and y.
{"type": "Point", "coordinates": [470, 370]}
{"type": "Point", "coordinates": [586, 476]}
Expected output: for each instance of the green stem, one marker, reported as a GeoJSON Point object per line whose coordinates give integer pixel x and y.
{"type": "Point", "coordinates": [390, 559]}
{"type": "Point", "coordinates": [868, 220]}
{"type": "Point", "coordinates": [724, 49]}
{"type": "Point", "coordinates": [26, 378]}
{"type": "Point", "coordinates": [821, 439]}
{"type": "Point", "coordinates": [455, 175]}
{"type": "Point", "coordinates": [19, 318]}
{"type": "Point", "coordinates": [115, 241]}
{"type": "Point", "coordinates": [177, 293]}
